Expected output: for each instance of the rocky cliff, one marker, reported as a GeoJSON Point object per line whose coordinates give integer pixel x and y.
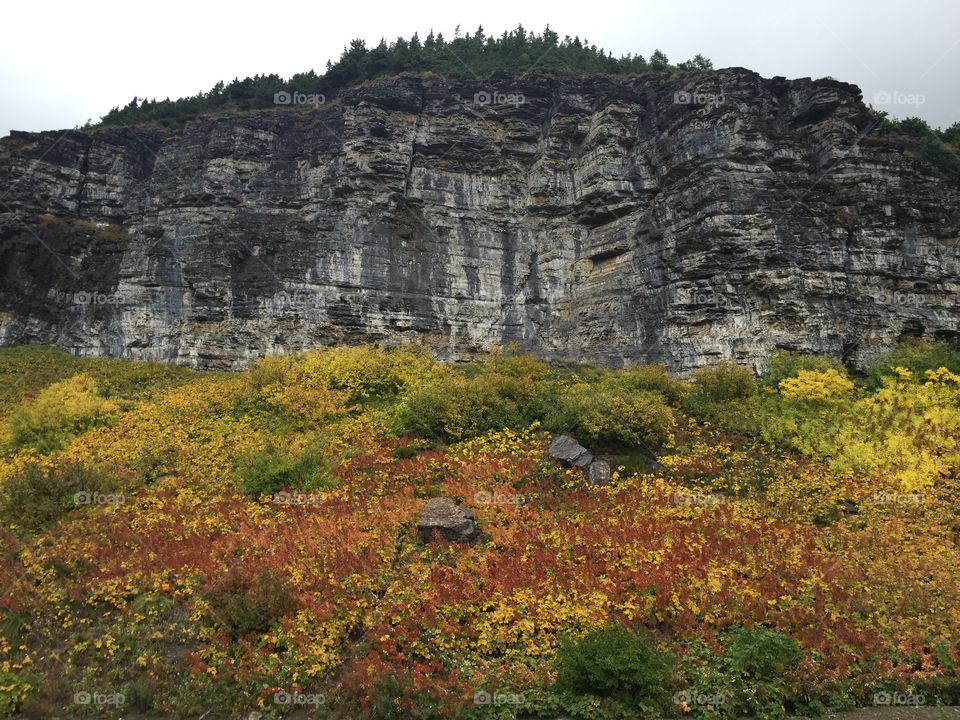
{"type": "Point", "coordinates": [670, 219]}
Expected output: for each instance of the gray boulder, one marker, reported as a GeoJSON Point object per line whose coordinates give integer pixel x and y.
{"type": "Point", "coordinates": [569, 452]}
{"type": "Point", "coordinates": [599, 473]}
{"type": "Point", "coordinates": [442, 516]}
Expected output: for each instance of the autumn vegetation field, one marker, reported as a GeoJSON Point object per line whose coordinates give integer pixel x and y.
{"type": "Point", "coordinates": [175, 543]}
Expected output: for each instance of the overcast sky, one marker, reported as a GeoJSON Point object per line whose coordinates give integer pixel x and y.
{"type": "Point", "coordinates": [64, 62]}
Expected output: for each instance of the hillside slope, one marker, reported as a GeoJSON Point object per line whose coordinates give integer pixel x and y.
{"type": "Point", "coordinates": [178, 544]}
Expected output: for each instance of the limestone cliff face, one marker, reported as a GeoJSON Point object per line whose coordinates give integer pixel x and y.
{"type": "Point", "coordinates": [681, 219]}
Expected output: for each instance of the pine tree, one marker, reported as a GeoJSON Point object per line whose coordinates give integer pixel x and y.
{"type": "Point", "coordinates": [659, 62]}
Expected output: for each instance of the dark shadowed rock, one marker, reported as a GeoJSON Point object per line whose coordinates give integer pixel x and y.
{"type": "Point", "coordinates": [569, 452]}
{"type": "Point", "coordinates": [442, 516]}
{"type": "Point", "coordinates": [849, 507]}
{"type": "Point", "coordinates": [599, 473]}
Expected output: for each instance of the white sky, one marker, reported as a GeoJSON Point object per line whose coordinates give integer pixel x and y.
{"type": "Point", "coordinates": [64, 62]}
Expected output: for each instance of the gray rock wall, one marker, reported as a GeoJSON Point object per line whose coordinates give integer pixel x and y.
{"type": "Point", "coordinates": [678, 220]}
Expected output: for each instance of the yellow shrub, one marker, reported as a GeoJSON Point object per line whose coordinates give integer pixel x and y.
{"type": "Point", "coordinates": [272, 370]}
{"type": "Point", "coordinates": [366, 371]}
{"type": "Point", "coordinates": [63, 409]}
{"type": "Point", "coordinates": [816, 386]}
{"type": "Point", "coordinates": [315, 403]}
{"type": "Point", "coordinates": [523, 366]}
{"type": "Point", "coordinates": [527, 622]}
{"type": "Point", "coordinates": [940, 375]}
{"type": "Point", "coordinates": [813, 492]}
{"type": "Point", "coordinates": [906, 432]}
{"type": "Point", "coordinates": [322, 383]}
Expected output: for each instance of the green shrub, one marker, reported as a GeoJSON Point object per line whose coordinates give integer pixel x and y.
{"type": "Point", "coordinates": [787, 363]}
{"type": "Point", "coordinates": [725, 381]}
{"type": "Point", "coordinates": [802, 427]}
{"type": "Point", "coordinates": [762, 663]}
{"type": "Point", "coordinates": [140, 696]}
{"type": "Point", "coordinates": [450, 407]}
{"type": "Point", "coordinates": [387, 694]}
{"type": "Point", "coordinates": [941, 155]}
{"type": "Point", "coordinates": [762, 654]}
{"type": "Point", "coordinates": [135, 380]}
{"type": "Point", "coordinates": [33, 497]}
{"type": "Point", "coordinates": [614, 411]}
{"type": "Point", "coordinates": [607, 415]}
{"type": "Point", "coordinates": [245, 603]}
{"type": "Point", "coordinates": [395, 697]}
{"type": "Point", "coordinates": [271, 470]}
{"type": "Point", "coordinates": [725, 394]}
{"type": "Point", "coordinates": [281, 394]}
{"type": "Point", "coordinates": [754, 677]}
{"type": "Point", "coordinates": [654, 378]}
{"type": "Point", "coordinates": [13, 692]}
{"type": "Point", "coordinates": [618, 664]}
{"type": "Point", "coordinates": [578, 372]}
{"type": "Point", "coordinates": [59, 412]}
{"type": "Point", "coordinates": [916, 356]}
